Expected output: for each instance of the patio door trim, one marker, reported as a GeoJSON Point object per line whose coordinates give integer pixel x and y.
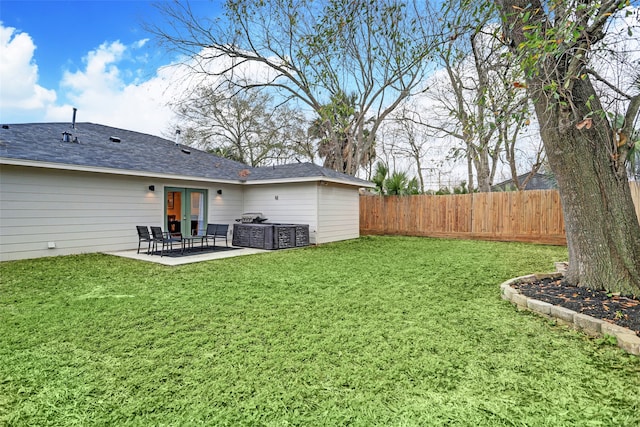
{"type": "Point", "coordinates": [186, 208]}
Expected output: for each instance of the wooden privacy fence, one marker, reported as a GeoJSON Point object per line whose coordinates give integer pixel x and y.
{"type": "Point", "coordinates": [523, 216]}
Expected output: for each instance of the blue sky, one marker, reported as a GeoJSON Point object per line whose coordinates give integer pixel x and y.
{"type": "Point", "coordinates": [92, 55]}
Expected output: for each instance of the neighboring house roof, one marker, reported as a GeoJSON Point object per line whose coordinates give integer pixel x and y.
{"type": "Point", "coordinates": [539, 181]}
{"type": "Point", "coordinates": [94, 147]}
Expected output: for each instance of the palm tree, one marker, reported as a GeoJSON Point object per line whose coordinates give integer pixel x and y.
{"type": "Point", "coordinates": [396, 184]}
{"type": "Point", "coordinates": [379, 177]}
{"type": "Point", "coordinates": [332, 128]}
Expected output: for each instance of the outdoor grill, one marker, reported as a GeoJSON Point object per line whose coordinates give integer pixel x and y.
{"type": "Point", "coordinates": [253, 232]}
{"type": "Point", "coordinates": [251, 218]}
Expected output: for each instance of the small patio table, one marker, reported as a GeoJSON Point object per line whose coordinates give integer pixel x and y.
{"type": "Point", "coordinates": [187, 242]}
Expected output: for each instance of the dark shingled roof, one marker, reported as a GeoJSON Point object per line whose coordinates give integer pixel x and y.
{"type": "Point", "coordinates": [538, 182]}
{"type": "Point", "coordinates": [108, 147]}
{"type": "Point", "coordinates": [302, 170]}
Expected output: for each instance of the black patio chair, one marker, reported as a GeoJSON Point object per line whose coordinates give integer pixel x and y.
{"type": "Point", "coordinates": [165, 238]}
{"type": "Point", "coordinates": [144, 236]}
{"type": "Point", "coordinates": [217, 230]}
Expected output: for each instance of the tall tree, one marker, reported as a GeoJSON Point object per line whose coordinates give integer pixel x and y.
{"type": "Point", "coordinates": [509, 131]}
{"type": "Point", "coordinates": [409, 138]}
{"type": "Point", "coordinates": [249, 127]}
{"type": "Point", "coordinates": [311, 51]}
{"type": "Point", "coordinates": [554, 42]}
{"type": "Point", "coordinates": [481, 107]}
{"type": "Point", "coordinates": [332, 130]}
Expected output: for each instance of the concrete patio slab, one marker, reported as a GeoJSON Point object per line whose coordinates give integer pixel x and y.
{"type": "Point", "coordinates": [186, 259]}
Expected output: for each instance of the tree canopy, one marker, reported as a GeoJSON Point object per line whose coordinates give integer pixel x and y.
{"type": "Point", "coordinates": [313, 53]}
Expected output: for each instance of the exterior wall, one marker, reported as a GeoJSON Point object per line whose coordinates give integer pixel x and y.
{"type": "Point", "coordinates": [226, 207]}
{"type": "Point", "coordinates": [85, 212]}
{"type": "Point", "coordinates": [339, 213]}
{"type": "Point", "coordinates": [332, 211]}
{"type": "Point", "coordinates": [285, 203]}
{"type": "Point", "coordinates": [223, 208]}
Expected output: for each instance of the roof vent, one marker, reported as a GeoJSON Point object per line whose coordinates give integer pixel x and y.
{"type": "Point", "coordinates": [66, 136]}
{"type": "Point", "coordinates": [114, 139]}
{"type": "Point", "coordinates": [5, 126]}
{"type": "Point", "coordinates": [185, 151]}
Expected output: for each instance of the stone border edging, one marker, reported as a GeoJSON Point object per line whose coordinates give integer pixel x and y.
{"type": "Point", "coordinates": [626, 338]}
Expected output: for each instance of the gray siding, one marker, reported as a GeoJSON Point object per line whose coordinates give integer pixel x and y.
{"type": "Point", "coordinates": [85, 212]}
{"type": "Point", "coordinates": [226, 207]}
{"type": "Point", "coordinates": [295, 203]}
{"type": "Point", "coordinates": [338, 213]}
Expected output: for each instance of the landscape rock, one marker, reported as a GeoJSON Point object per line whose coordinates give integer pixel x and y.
{"type": "Point", "coordinates": [539, 306]}
{"type": "Point", "coordinates": [562, 313]}
{"type": "Point", "coordinates": [588, 324]}
{"type": "Point", "coordinates": [520, 300]}
{"type": "Point", "coordinates": [629, 342]}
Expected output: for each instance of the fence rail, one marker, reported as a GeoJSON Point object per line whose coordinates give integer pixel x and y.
{"type": "Point", "coordinates": [523, 216]}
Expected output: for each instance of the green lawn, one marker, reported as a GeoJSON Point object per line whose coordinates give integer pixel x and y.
{"type": "Point", "coordinates": [378, 331]}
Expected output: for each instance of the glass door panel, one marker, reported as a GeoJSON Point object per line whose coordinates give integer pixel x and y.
{"type": "Point", "coordinates": [186, 211]}
{"type": "Point", "coordinates": [174, 210]}
{"type": "Point", "coordinates": [196, 212]}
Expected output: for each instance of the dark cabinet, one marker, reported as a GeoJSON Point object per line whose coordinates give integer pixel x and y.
{"type": "Point", "coordinates": [270, 236]}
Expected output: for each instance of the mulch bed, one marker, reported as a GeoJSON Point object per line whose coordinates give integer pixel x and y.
{"type": "Point", "coordinates": [621, 310]}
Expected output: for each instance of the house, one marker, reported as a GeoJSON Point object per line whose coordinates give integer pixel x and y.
{"type": "Point", "coordinates": [68, 189]}
{"type": "Point", "coordinates": [538, 181]}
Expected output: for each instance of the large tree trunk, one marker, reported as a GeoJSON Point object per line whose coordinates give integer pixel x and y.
{"type": "Point", "coordinates": [603, 234]}
{"type": "Point", "coordinates": [483, 172]}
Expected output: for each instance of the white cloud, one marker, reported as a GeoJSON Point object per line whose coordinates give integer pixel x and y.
{"type": "Point", "coordinates": [106, 90]}
{"type": "Point", "coordinates": [99, 90]}
{"type": "Point", "coordinates": [101, 95]}
{"type": "Point", "coordinates": [100, 74]}
{"type": "Point", "coordinates": [141, 43]}
{"type": "Point", "coordinates": [19, 89]}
